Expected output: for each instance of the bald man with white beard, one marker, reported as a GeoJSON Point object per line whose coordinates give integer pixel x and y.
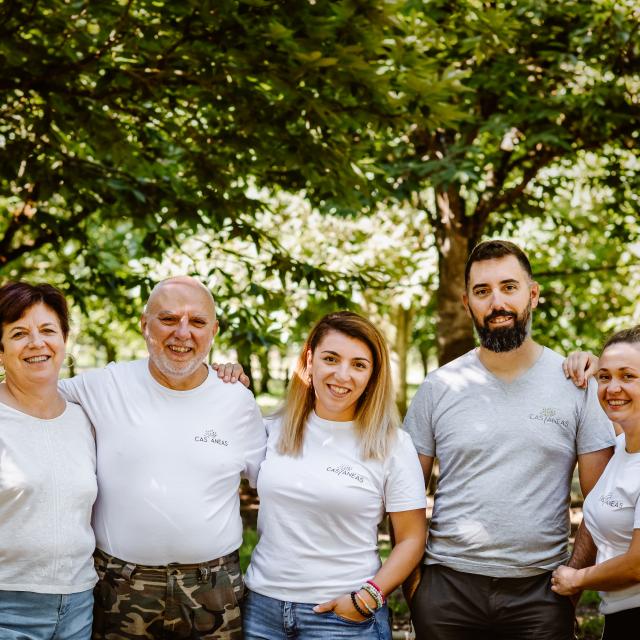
{"type": "Point", "coordinates": [173, 442]}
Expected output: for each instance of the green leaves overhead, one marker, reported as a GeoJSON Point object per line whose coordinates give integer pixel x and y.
{"type": "Point", "coordinates": [156, 110]}
{"type": "Point", "coordinates": [128, 128]}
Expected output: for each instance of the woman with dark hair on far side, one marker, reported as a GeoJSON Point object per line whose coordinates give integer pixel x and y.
{"type": "Point", "coordinates": [47, 476]}
{"type": "Point", "coordinates": [336, 462]}
{"type": "Point", "coordinates": [612, 508]}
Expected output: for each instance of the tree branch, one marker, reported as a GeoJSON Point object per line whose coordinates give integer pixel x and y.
{"type": "Point", "coordinates": [44, 236]}
{"type": "Point", "coordinates": [21, 23]}
{"type": "Point", "coordinates": [500, 199]}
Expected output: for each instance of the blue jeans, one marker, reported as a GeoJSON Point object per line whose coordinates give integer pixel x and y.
{"type": "Point", "coordinates": [270, 619]}
{"type": "Point", "coordinates": [25, 615]}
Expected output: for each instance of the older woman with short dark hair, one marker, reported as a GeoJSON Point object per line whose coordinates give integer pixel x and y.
{"type": "Point", "coordinates": [47, 476]}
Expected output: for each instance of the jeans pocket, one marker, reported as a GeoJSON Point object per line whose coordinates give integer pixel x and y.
{"type": "Point", "coordinates": [357, 623]}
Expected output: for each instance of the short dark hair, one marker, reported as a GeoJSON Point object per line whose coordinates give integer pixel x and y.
{"type": "Point", "coordinates": [493, 249]}
{"type": "Point", "coordinates": [629, 336]}
{"type": "Point", "coordinates": [17, 297]}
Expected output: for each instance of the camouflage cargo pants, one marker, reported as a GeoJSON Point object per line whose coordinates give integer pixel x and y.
{"type": "Point", "coordinates": [198, 601]}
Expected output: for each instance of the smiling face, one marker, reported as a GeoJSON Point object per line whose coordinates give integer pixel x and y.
{"type": "Point", "coordinates": [33, 346]}
{"type": "Point", "coordinates": [340, 368]}
{"type": "Point", "coordinates": [619, 383]}
{"type": "Point", "coordinates": [499, 299]}
{"type": "Point", "coordinates": [179, 324]}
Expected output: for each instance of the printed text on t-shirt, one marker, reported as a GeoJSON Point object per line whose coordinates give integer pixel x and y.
{"type": "Point", "coordinates": [547, 415]}
{"type": "Point", "coordinates": [611, 501]}
{"type": "Point", "coordinates": [212, 437]}
{"type": "Point", "coordinates": [345, 470]}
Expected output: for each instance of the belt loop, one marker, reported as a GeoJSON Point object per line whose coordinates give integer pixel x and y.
{"type": "Point", "coordinates": [204, 573]}
{"type": "Point", "coordinates": [128, 570]}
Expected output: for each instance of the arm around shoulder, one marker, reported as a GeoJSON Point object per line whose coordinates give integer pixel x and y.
{"type": "Point", "coordinates": [579, 366]}
{"type": "Point", "coordinates": [70, 388]}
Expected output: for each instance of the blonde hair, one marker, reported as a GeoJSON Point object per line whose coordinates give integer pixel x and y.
{"type": "Point", "coordinates": [376, 417]}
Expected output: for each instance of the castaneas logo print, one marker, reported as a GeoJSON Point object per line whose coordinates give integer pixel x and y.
{"type": "Point", "coordinates": [610, 500]}
{"type": "Point", "coordinates": [549, 416]}
{"type": "Point", "coordinates": [210, 436]}
{"type": "Point", "coordinates": [346, 470]}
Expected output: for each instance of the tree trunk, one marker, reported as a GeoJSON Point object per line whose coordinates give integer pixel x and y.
{"type": "Point", "coordinates": [423, 350]}
{"type": "Point", "coordinates": [71, 365]}
{"type": "Point", "coordinates": [111, 352]}
{"type": "Point", "coordinates": [244, 358]}
{"type": "Point", "coordinates": [404, 320]}
{"type": "Point", "coordinates": [265, 371]}
{"type": "Point", "coordinates": [286, 378]}
{"type": "Point", "coordinates": [455, 330]}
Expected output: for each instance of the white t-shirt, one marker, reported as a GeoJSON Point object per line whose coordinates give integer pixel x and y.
{"type": "Point", "coordinates": [169, 463]}
{"type": "Point", "coordinates": [47, 489]}
{"type": "Point", "coordinates": [611, 513]}
{"type": "Point", "coordinates": [319, 512]}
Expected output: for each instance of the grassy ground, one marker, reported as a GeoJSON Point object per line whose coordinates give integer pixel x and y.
{"type": "Point", "coordinates": [589, 619]}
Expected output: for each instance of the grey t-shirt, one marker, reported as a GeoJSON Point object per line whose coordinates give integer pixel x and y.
{"type": "Point", "coordinates": [507, 453]}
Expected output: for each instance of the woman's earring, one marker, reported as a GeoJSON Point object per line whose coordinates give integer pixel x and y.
{"type": "Point", "coordinates": [70, 364]}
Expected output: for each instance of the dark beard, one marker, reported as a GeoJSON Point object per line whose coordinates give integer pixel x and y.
{"type": "Point", "coordinates": [504, 339]}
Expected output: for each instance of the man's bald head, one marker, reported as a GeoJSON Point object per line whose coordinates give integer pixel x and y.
{"type": "Point", "coordinates": [179, 324]}
{"type": "Point", "coordinates": [172, 285]}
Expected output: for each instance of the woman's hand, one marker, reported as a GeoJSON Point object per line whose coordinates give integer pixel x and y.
{"type": "Point", "coordinates": [579, 366]}
{"type": "Point", "coordinates": [342, 606]}
{"type": "Point", "coordinates": [564, 581]}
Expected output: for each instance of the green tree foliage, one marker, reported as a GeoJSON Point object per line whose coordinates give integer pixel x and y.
{"type": "Point", "coordinates": [541, 85]}
{"type": "Point", "coordinates": [126, 125]}
{"type": "Point", "coordinates": [129, 128]}
{"type": "Point", "coordinates": [583, 253]}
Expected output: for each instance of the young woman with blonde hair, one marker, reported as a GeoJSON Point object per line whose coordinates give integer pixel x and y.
{"type": "Point", "coordinates": [336, 463]}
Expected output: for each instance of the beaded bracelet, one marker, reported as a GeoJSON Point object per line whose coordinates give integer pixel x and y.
{"type": "Point", "coordinates": [378, 589]}
{"type": "Point", "coordinates": [364, 603]}
{"type": "Point", "coordinates": [357, 607]}
{"type": "Point", "coordinates": [374, 593]}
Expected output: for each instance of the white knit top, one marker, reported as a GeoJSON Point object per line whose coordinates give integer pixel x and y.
{"type": "Point", "coordinates": [47, 489]}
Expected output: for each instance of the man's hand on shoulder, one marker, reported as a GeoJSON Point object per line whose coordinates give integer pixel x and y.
{"type": "Point", "coordinates": [231, 372]}
{"type": "Point", "coordinates": [579, 366]}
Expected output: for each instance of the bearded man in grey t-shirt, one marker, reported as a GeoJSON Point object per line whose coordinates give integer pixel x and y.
{"type": "Point", "coordinates": [507, 428]}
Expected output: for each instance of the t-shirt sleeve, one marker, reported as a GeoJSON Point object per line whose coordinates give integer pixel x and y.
{"type": "Point", "coordinates": [255, 442]}
{"type": "Point", "coordinates": [417, 422]}
{"type": "Point", "coordinates": [595, 430]}
{"type": "Point", "coordinates": [404, 481]}
{"type": "Point", "coordinates": [72, 389]}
